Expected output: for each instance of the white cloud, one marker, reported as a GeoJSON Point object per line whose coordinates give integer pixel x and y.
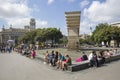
{"type": "Point", "coordinates": [21, 22]}
{"type": "Point", "coordinates": [98, 12]}
{"type": "Point", "coordinates": [9, 9]}
{"type": "Point", "coordinates": [50, 1]}
{"type": "Point", "coordinates": [18, 22]}
{"type": "Point", "coordinates": [41, 24]}
{"type": "Point", "coordinates": [17, 13]}
{"type": "Point", "coordinates": [64, 30]}
{"type": "Point", "coordinates": [84, 3]}
{"type": "Point", "coordinates": [107, 11]}
{"type": "Point", "coordinates": [85, 26]}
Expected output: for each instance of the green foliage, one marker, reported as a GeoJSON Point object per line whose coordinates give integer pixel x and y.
{"type": "Point", "coordinates": [106, 33]}
{"type": "Point", "coordinates": [41, 35]}
{"type": "Point", "coordinates": [86, 41]}
{"type": "Point", "coordinates": [63, 41]}
{"type": "Point", "coordinates": [82, 41]}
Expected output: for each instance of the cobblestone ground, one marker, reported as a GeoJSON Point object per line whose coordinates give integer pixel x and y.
{"type": "Point", "coordinates": [17, 67]}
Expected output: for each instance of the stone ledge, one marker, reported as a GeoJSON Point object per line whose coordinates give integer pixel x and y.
{"type": "Point", "coordinates": [78, 66]}
{"type": "Point", "coordinates": [85, 64]}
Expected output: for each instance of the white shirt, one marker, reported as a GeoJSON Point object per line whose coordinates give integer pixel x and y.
{"type": "Point", "coordinates": [90, 56]}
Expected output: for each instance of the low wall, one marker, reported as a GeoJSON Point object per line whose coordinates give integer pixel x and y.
{"type": "Point", "coordinates": [77, 66]}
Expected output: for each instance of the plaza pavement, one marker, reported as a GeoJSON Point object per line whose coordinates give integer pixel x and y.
{"type": "Point", "coordinates": [17, 67]}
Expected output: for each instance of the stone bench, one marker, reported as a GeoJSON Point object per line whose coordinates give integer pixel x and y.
{"type": "Point", "coordinates": [112, 58]}
{"type": "Point", "coordinates": [77, 66]}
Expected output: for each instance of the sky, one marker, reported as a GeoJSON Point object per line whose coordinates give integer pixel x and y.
{"type": "Point", "coordinates": [51, 13]}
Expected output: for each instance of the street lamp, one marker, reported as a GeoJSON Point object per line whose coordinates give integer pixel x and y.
{"type": "Point", "coordinates": [91, 29]}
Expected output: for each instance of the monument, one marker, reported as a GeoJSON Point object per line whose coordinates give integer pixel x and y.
{"type": "Point", "coordinates": [73, 24]}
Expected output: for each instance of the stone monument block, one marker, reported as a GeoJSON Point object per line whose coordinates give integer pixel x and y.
{"type": "Point", "coordinates": [73, 24]}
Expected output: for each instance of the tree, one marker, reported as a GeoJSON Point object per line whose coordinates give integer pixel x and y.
{"type": "Point", "coordinates": [86, 41]}
{"type": "Point", "coordinates": [41, 35]}
{"type": "Point", "coordinates": [53, 34]}
{"type": "Point", "coordinates": [105, 33]}
{"type": "Point", "coordinates": [28, 37]}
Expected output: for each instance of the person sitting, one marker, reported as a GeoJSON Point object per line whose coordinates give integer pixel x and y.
{"type": "Point", "coordinates": [51, 57]}
{"type": "Point", "coordinates": [95, 58]}
{"type": "Point", "coordinates": [28, 54]}
{"type": "Point", "coordinates": [33, 54]}
{"type": "Point", "coordinates": [55, 59]}
{"type": "Point", "coordinates": [90, 58]}
{"type": "Point", "coordinates": [101, 57]}
{"type": "Point", "coordinates": [111, 52]}
{"type": "Point", "coordinates": [61, 58]}
{"type": "Point", "coordinates": [84, 56]}
{"type": "Point", "coordinates": [46, 58]}
{"type": "Point", "coordinates": [67, 62]}
{"type": "Point", "coordinates": [108, 54]}
{"type": "Point", "coordinates": [80, 59]}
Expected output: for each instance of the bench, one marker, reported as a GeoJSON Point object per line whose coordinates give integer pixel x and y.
{"type": "Point", "coordinates": [77, 66]}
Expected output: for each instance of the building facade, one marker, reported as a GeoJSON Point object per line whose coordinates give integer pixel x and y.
{"type": "Point", "coordinates": [14, 33]}
{"type": "Point", "coordinates": [32, 24]}
{"type": "Point", "coordinates": [84, 36]}
{"type": "Point", "coordinates": [116, 24]}
{"type": "Point", "coordinates": [11, 34]}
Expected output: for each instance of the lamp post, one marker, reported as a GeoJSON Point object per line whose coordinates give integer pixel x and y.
{"type": "Point", "coordinates": [91, 30]}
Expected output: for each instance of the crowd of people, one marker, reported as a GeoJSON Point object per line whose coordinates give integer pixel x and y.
{"type": "Point", "coordinates": [5, 49]}
{"type": "Point", "coordinates": [62, 62]}
{"type": "Point", "coordinates": [98, 59]}
{"type": "Point", "coordinates": [26, 52]}
{"type": "Point", "coordinates": [57, 59]}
